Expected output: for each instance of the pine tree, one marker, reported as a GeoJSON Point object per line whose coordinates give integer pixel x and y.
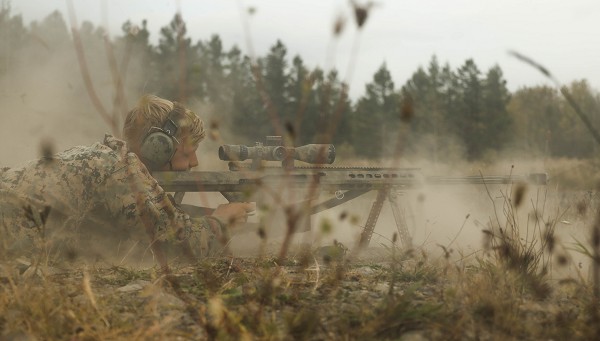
{"type": "Point", "coordinates": [13, 36]}
{"type": "Point", "coordinates": [377, 117]}
{"type": "Point", "coordinates": [176, 61]}
{"type": "Point", "coordinates": [497, 121]}
{"type": "Point", "coordinates": [536, 115]}
{"type": "Point", "coordinates": [468, 120]}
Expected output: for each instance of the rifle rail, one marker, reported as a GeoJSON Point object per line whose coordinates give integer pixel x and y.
{"type": "Point", "coordinates": [325, 178]}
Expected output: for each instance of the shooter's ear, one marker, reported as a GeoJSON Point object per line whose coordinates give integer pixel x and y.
{"type": "Point", "coordinates": [159, 144]}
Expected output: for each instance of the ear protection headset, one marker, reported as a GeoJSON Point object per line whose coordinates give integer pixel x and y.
{"type": "Point", "coordinates": [159, 144]}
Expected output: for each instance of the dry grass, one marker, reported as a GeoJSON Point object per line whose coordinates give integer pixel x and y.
{"type": "Point", "coordinates": [436, 300]}
{"type": "Point", "coordinates": [504, 293]}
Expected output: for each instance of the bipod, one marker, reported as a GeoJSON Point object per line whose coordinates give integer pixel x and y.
{"type": "Point", "coordinates": [400, 219]}
{"type": "Point", "coordinates": [367, 233]}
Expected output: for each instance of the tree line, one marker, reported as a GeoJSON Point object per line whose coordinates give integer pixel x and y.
{"type": "Point", "coordinates": [439, 111]}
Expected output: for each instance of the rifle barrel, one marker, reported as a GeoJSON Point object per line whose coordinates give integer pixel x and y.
{"type": "Point", "coordinates": [533, 178]}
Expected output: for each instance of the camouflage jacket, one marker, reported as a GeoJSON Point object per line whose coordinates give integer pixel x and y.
{"type": "Point", "coordinates": [102, 183]}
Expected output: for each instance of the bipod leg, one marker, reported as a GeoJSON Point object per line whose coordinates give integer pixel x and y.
{"type": "Point", "coordinates": [365, 236]}
{"type": "Point", "coordinates": [400, 219]}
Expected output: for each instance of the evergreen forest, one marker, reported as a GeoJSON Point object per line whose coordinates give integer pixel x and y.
{"type": "Point", "coordinates": [440, 110]}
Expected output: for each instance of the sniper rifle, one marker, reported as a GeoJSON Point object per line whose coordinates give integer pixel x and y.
{"type": "Point", "coordinates": [342, 183]}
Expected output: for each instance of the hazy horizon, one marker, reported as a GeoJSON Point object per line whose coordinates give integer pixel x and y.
{"type": "Point", "coordinates": [404, 35]}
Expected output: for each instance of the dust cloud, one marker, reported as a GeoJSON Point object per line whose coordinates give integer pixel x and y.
{"type": "Point", "coordinates": [451, 218]}
{"type": "Point", "coordinates": [43, 99]}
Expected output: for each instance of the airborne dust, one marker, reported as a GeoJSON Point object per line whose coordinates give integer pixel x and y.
{"type": "Point", "coordinates": [45, 105]}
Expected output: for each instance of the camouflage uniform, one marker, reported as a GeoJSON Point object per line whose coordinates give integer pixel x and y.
{"type": "Point", "coordinates": [100, 186]}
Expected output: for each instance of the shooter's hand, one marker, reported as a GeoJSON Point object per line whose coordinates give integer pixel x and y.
{"type": "Point", "coordinates": [234, 213]}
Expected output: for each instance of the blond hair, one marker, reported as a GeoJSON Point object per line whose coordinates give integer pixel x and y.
{"type": "Point", "coordinates": [152, 111]}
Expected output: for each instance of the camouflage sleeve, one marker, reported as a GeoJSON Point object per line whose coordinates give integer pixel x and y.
{"type": "Point", "coordinates": [135, 200]}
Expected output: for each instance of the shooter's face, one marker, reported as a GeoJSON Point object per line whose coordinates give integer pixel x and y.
{"type": "Point", "coordinates": [184, 158]}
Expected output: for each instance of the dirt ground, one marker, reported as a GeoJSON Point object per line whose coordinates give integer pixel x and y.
{"type": "Point", "coordinates": [383, 293]}
{"type": "Point", "coordinates": [527, 275]}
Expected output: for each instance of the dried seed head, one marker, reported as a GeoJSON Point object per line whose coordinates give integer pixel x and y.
{"type": "Point", "coordinates": [487, 239]}
{"type": "Point", "coordinates": [71, 254]}
{"type": "Point", "coordinates": [47, 151]}
{"type": "Point", "coordinates": [262, 233]}
{"type": "Point", "coordinates": [343, 215]}
{"type": "Point", "coordinates": [549, 239]}
{"type": "Point", "coordinates": [289, 128]}
{"type": "Point", "coordinates": [519, 193]}
{"type": "Point", "coordinates": [326, 226]}
{"type": "Point", "coordinates": [361, 13]}
{"type": "Point", "coordinates": [596, 235]}
{"type": "Point", "coordinates": [407, 109]}
{"type": "Point", "coordinates": [446, 251]}
{"type": "Point", "coordinates": [179, 25]}
{"type": "Point", "coordinates": [338, 25]}
{"type": "Point", "coordinates": [582, 207]}
{"type": "Point", "coordinates": [562, 260]}
{"type": "Point", "coordinates": [394, 237]}
{"type": "Point", "coordinates": [214, 135]}
{"type": "Point", "coordinates": [213, 132]}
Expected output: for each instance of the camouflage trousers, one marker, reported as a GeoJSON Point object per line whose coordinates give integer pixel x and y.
{"type": "Point", "coordinates": [24, 230]}
{"type": "Point", "coordinates": [210, 239]}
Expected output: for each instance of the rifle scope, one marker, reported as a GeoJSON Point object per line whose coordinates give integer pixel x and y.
{"type": "Point", "coordinates": [310, 153]}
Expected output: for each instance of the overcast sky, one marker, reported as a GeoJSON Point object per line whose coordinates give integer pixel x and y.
{"type": "Point", "coordinates": [562, 35]}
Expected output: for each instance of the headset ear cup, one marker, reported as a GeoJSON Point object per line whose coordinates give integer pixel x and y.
{"type": "Point", "coordinates": [157, 150]}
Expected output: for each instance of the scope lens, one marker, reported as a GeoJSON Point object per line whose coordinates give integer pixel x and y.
{"type": "Point", "coordinates": [233, 152]}
{"type": "Point", "coordinates": [279, 153]}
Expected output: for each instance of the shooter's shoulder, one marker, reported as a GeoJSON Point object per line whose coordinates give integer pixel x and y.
{"type": "Point", "coordinates": [109, 151]}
